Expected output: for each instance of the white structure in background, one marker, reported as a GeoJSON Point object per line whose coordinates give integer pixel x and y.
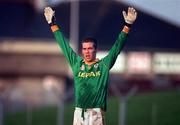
{"type": "Point", "coordinates": [139, 63]}
{"type": "Point", "coordinates": [119, 66]}
{"type": "Point", "coordinates": [54, 88]}
{"type": "Point", "coordinates": [166, 63]}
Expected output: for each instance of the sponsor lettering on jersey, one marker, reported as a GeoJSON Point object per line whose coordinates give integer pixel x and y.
{"type": "Point", "coordinates": [89, 74]}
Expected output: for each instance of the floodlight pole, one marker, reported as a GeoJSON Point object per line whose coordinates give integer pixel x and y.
{"type": "Point", "coordinates": [1, 111]}
{"type": "Point", "coordinates": [60, 116]}
{"type": "Point", "coordinates": [74, 38]}
{"type": "Point", "coordinates": [61, 106]}
{"type": "Point", "coordinates": [29, 114]}
{"type": "Point", "coordinates": [122, 105]}
{"type": "Point", "coordinates": [154, 113]}
{"type": "Point", "coordinates": [74, 24]}
{"type": "Point", "coordinates": [123, 102]}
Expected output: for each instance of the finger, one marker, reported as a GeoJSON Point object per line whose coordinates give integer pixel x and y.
{"type": "Point", "coordinates": [134, 11]}
{"type": "Point", "coordinates": [131, 10]}
{"type": "Point", "coordinates": [47, 8]}
{"type": "Point", "coordinates": [135, 14]}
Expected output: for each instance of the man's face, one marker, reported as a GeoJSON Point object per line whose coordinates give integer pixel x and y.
{"type": "Point", "coordinates": [88, 51]}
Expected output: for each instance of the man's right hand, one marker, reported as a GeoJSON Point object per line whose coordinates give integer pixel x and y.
{"type": "Point", "coordinates": [49, 14]}
{"type": "Point", "coordinates": [130, 16]}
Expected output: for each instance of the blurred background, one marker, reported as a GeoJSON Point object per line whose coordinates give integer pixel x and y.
{"type": "Point", "coordinates": [36, 84]}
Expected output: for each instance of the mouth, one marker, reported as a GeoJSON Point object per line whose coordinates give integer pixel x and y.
{"type": "Point", "coordinates": [87, 56]}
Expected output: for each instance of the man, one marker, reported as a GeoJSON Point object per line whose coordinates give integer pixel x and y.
{"type": "Point", "coordinates": [91, 75]}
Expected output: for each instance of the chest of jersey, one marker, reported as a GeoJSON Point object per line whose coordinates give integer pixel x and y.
{"type": "Point", "coordinates": [89, 71]}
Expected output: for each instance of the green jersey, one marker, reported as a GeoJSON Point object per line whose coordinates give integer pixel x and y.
{"type": "Point", "coordinates": [90, 81]}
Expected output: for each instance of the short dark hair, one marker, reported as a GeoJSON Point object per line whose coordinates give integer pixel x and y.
{"type": "Point", "coordinates": [90, 39]}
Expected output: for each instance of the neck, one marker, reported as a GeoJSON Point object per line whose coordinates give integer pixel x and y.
{"type": "Point", "coordinates": [91, 62]}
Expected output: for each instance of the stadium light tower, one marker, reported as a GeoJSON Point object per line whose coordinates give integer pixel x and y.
{"type": "Point", "coordinates": [74, 24]}
{"type": "Point", "coordinates": [123, 98]}
{"type": "Point", "coordinates": [1, 110]}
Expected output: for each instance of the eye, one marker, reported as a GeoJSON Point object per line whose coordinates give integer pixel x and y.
{"type": "Point", "coordinates": [90, 48]}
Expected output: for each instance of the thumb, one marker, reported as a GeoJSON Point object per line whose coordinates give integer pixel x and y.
{"type": "Point", "coordinates": [124, 14]}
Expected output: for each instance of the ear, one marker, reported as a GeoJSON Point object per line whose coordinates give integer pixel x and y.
{"type": "Point", "coordinates": [96, 50]}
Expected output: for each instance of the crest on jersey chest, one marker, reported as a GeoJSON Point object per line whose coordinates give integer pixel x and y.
{"type": "Point", "coordinates": [96, 65]}
{"type": "Point", "coordinates": [82, 67]}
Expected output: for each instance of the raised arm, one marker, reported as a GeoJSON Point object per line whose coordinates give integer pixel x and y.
{"type": "Point", "coordinates": [64, 45]}
{"type": "Point", "coordinates": [129, 19]}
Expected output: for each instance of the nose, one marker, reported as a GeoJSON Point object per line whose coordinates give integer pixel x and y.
{"type": "Point", "coordinates": [86, 51]}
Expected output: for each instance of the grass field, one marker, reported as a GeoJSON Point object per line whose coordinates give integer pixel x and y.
{"type": "Point", "coordinates": [160, 108]}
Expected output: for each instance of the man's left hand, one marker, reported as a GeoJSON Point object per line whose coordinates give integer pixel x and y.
{"type": "Point", "coordinates": [130, 16]}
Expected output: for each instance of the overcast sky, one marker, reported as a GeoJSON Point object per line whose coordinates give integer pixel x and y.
{"type": "Point", "coordinates": [165, 9]}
